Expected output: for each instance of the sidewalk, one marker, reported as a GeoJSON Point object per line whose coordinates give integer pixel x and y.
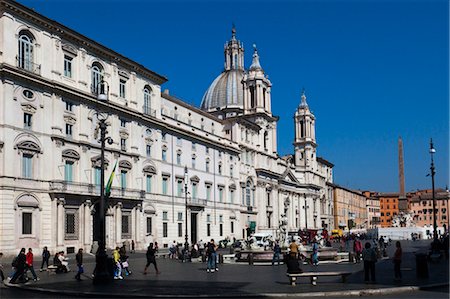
{"type": "Point", "coordinates": [232, 280]}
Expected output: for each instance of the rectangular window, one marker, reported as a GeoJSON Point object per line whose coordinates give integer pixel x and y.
{"type": "Point", "coordinates": [207, 150]}
{"type": "Point", "coordinates": [68, 171]}
{"type": "Point", "coordinates": [70, 224]}
{"type": "Point", "coordinates": [123, 123]}
{"type": "Point", "coordinates": [164, 155]}
{"type": "Point", "coordinates": [27, 169]}
{"type": "Point", "coordinates": [27, 121]}
{"type": "Point", "coordinates": [208, 192]}
{"type": "Point", "coordinates": [208, 218]}
{"type": "Point", "coordinates": [194, 190]}
{"type": "Point", "coordinates": [179, 141]}
{"type": "Point", "coordinates": [193, 146]}
{"type": "Point", "coordinates": [149, 225]}
{"type": "Point", "coordinates": [179, 188]}
{"type": "Point", "coordinates": [97, 176]}
{"type": "Point", "coordinates": [27, 223]}
{"type": "Point", "coordinates": [231, 196]}
{"type": "Point", "coordinates": [232, 227]}
{"type": "Point", "coordinates": [148, 179]}
{"type": "Point", "coordinates": [220, 194]}
{"type": "Point", "coordinates": [180, 229]}
{"type": "Point", "coordinates": [178, 158]}
{"type": "Point", "coordinates": [180, 216]}
{"type": "Point", "coordinates": [69, 106]}
{"type": "Point", "coordinates": [163, 136]}
{"type": "Point", "coordinates": [123, 144]}
{"type": "Point", "coordinates": [221, 229]}
{"type": "Point", "coordinates": [148, 150]}
{"type": "Point", "coordinates": [68, 66]}
{"type": "Point", "coordinates": [193, 162]}
{"type": "Point", "coordinates": [165, 182]}
{"type": "Point", "coordinates": [165, 230]}
{"type": "Point", "coordinates": [208, 229]}
{"type": "Point", "coordinates": [221, 218]}
{"type": "Point", "coordinates": [122, 85]}
{"type": "Point", "coordinates": [126, 225]}
{"type": "Point", "coordinates": [123, 179]}
{"type": "Point", "coordinates": [207, 166]}
{"type": "Point", "coordinates": [165, 215]}
{"type": "Point", "coordinates": [69, 129]}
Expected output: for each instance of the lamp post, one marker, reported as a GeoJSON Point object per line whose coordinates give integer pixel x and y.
{"type": "Point", "coordinates": [433, 172]}
{"type": "Point", "coordinates": [186, 244]}
{"type": "Point", "coordinates": [101, 270]}
{"type": "Point", "coordinates": [306, 206]}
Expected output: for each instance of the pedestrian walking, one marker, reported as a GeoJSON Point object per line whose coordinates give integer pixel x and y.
{"type": "Point", "coordinates": [173, 250]}
{"type": "Point", "coordinates": [132, 246]}
{"type": "Point", "coordinates": [315, 253]}
{"type": "Point", "coordinates": [2, 275]}
{"type": "Point", "coordinates": [19, 263]}
{"type": "Point", "coordinates": [369, 257]}
{"type": "Point", "coordinates": [45, 258]}
{"type": "Point", "coordinates": [211, 254]}
{"type": "Point", "coordinates": [151, 259]}
{"type": "Point", "coordinates": [293, 249]}
{"type": "Point", "coordinates": [276, 253]}
{"type": "Point", "coordinates": [118, 267]}
{"type": "Point", "coordinates": [124, 260]}
{"type": "Point", "coordinates": [79, 259]}
{"type": "Point", "coordinates": [397, 261]}
{"type": "Point", "coordinates": [357, 249]}
{"type": "Point", "coordinates": [29, 261]}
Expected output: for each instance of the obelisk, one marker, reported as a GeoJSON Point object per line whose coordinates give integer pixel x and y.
{"type": "Point", "coordinates": [402, 201]}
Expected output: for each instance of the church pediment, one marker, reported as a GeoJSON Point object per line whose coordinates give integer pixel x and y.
{"type": "Point", "coordinates": [289, 177]}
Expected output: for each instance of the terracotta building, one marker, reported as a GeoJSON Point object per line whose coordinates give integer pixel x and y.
{"type": "Point", "coordinates": [388, 207]}
{"type": "Point", "coordinates": [421, 206]}
{"type": "Point", "coordinates": [349, 208]}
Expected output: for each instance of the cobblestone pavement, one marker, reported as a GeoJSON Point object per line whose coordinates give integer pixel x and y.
{"type": "Point", "coordinates": [192, 280]}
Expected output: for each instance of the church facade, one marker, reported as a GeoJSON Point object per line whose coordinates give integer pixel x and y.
{"type": "Point", "coordinates": [224, 152]}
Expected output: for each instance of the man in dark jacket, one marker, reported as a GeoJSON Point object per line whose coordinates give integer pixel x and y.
{"type": "Point", "coordinates": [151, 259]}
{"type": "Point", "coordinates": [20, 265]}
{"type": "Point", "coordinates": [79, 259]}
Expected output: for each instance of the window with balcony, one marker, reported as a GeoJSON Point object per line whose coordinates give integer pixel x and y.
{"type": "Point", "coordinates": [220, 194]}
{"type": "Point", "coordinates": [194, 190]}
{"type": "Point", "coordinates": [148, 180]}
{"type": "Point", "coordinates": [25, 57]}
{"type": "Point", "coordinates": [27, 165]}
{"type": "Point", "coordinates": [123, 179]}
{"type": "Point", "coordinates": [68, 171]}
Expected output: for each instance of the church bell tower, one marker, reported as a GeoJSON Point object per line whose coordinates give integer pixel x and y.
{"type": "Point", "coordinates": [305, 136]}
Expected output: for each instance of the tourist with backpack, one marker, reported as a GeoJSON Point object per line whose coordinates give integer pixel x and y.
{"type": "Point", "coordinates": [19, 263]}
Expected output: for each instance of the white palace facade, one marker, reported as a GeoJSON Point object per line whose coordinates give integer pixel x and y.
{"type": "Point", "coordinates": [50, 154]}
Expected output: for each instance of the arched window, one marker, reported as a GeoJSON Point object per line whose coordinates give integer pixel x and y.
{"type": "Point", "coordinates": [266, 137]}
{"type": "Point", "coordinates": [26, 49]}
{"type": "Point", "coordinates": [147, 100]}
{"type": "Point", "coordinates": [252, 97]}
{"type": "Point", "coordinates": [97, 77]}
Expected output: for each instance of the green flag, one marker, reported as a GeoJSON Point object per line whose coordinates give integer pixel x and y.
{"type": "Point", "coordinates": [110, 181]}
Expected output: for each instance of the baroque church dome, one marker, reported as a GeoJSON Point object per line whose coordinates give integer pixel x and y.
{"type": "Point", "coordinates": [227, 90]}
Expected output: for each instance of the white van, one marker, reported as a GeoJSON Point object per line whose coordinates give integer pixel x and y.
{"type": "Point", "coordinates": [262, 239]}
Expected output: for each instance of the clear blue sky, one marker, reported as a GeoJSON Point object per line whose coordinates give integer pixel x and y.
{"type": "Point", "coordinates": [372, 70]}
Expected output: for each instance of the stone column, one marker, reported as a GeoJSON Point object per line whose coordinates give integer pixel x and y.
{"type": "Point", "coordinates": [87, 241]}
{"type": "Point", "coordinates": [61, 224]}
{"type": "Point", "coordinates": [118, 224]}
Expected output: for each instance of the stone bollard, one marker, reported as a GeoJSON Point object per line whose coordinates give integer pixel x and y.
{"type": "Point", "coordinates": [250, 258]}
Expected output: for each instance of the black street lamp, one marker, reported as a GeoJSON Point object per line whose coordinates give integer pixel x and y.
{"type": "Point", "coordinates": [186, 244]}
{"type": "Point", "coordinates": [101, 265]}
{"type": "Point", "coordinates": [433, 172]}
